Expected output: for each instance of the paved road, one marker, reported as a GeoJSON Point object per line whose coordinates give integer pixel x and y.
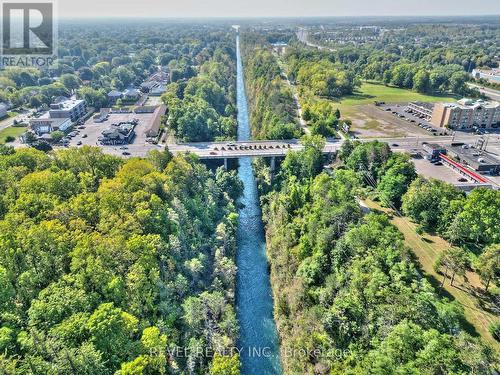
{"type": "Point", "coordinates": [493, 94]}
{"type": "Point", "coordinates": [5, 123]}
{"type": "Point", "coordinates": [302, 35]}
{"type": "Point", "coordinates": [220, 150]}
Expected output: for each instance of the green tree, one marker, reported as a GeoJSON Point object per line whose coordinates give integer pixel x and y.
{"type": "Point", "coordinates": [453, 260]}
{"type": "Point", "coordinates": [70, 81]}
{"type": "Point", "coordinates": [94, 98]}
{"type": "Point", "coordinates": [113, 332]}
{"type": "Point", "coordinates": [57, 136]}
{"type": "Point", "coordinates": [225, 365]}
{"type": "Point", "coordinates": [488, 265]}
{"type": "Point", "coordinates": [398, 174]}
{"type": "Point", "coordinates": [421, 81]}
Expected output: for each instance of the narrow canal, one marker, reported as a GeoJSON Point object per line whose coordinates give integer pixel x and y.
{"type": "Point", "coordinates": [254, 302]}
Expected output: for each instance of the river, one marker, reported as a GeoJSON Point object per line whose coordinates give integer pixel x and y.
{"type": "Point", "coordinates": [254, 302]}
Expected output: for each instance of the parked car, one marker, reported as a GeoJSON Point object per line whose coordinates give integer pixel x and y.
{"type": "Point", "coordinates": [125, 153]}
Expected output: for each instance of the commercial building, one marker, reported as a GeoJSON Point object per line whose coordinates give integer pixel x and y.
{"type": "Point", "coordinates": [68, 108]}
{"type": "Point", "coordinates": [491, 75]}
{"type": "Point", "coordinates": [46, 125]}
{"type": "Point", "coordinates": [118, 134]}
{"type": "Point", "coordinates": [477, 159]}
{"type": "Point", "coordinates": [434, 151]}
{"type": "Point", "coordinates": [158, 91]}
{"type": "Point", "coordinates": [154, 129]}
{"type": "Point", "coordinates": [466, 114]}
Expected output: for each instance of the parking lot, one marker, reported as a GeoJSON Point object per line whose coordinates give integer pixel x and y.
{"type": "Point", "coordinates": [400, 111]}
{"type": "Point", "coordinates": [91, 131]}
{"type": "Point", "coordinates": [438, 171]}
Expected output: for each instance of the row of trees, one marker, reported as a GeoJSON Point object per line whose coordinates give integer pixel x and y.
{"type": "Point", "coordinates": [271, 103]}
{"type": "Point", "coordinates": [441, 79]}
{"type": "Point", "coordinates": [203, 108]}
{"type": "Point", "coordinates": [109, 266]}
{"type": "Point", "coordinates": [345, 287]}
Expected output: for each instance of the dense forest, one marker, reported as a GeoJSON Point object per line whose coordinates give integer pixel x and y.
{"type": "Point", "coordinates": [271, 104]}
{"type": "Point", "coordinates": [203, 107]}
{"type": "Point", "coordinates": [346, 288]}
{"type": "Point", "coordinates": [424, 57]}
{"type": "Point", "coordinates": [107, 266]}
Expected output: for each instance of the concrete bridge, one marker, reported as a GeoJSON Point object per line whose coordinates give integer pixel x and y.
{"type": "Point", "coordinates": [228, 150]}
{"type": "Point", "coordinates": [238, 149]}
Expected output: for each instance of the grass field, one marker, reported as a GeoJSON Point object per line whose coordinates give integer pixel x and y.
{"type": "Point", "coordinates": [11, 131]}
{"type": "Point", "coordinates": [368, 93]}
{"type": "Point", "coordinates": [367, 122]}
{"type": "Point", "coordinates": [466, 291]}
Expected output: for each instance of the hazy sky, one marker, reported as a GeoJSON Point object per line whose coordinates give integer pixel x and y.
{"type": "Point", "coordinates": [273, 8]}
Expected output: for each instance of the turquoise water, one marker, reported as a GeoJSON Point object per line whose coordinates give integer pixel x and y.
{"type": "Point", "coordinates": [254, 303]}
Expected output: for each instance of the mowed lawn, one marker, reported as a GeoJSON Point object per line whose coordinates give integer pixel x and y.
{"type": "Point", "coordinates": [467, 292]}
{"type": "Point", "coordinates": [11, 131]}
{"type": "Point", "coordinates": [368, 93]}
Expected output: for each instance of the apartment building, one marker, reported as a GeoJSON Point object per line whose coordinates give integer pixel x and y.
{"type": "Point", "coordinates": [68, 108]}
{"type": "Point", "coordinates": [466, 114]}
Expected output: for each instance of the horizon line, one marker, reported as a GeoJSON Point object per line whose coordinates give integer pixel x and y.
{"type": "Point", "coordinates": [277, 17]}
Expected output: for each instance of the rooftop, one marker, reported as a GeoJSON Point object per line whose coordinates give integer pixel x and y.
{"type": "Point", "coordinates": [115, 93]}
{"type": "Point", "coordinates": [66, 104]}
{"type": "Point", "coordinates": [467, 103]}
{"type": "Point", "coordinates": [424, 105]}
{"type": "Point", "coordinates": [474, 155]}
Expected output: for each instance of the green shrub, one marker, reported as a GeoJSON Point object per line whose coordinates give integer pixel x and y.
{"type": "Point", "coordinates": [494, 329]}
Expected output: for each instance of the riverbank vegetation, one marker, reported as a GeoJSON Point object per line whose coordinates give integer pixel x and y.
{"type": "Point", "coordinates": [110, 266]}
{"type": "Point", "coordinates": [346, 288]}
{"type": "Point", "coordinates": [271, 104]}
